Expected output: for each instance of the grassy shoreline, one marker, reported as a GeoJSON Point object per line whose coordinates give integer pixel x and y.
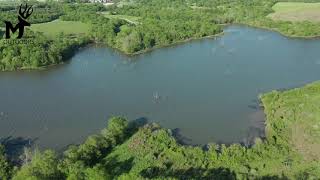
{"type": "Point", "coordinates": [278, 31]}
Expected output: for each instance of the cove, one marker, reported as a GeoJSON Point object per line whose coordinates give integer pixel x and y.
{"type": "Point", "coordinates": [207, 88]}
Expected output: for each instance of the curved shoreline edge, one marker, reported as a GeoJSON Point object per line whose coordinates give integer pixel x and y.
{"type": "Point", "coordinates": [75, 50]}
{"type": "Point", "coordinates": [171, 45]}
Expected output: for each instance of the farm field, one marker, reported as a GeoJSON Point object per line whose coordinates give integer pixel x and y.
{"type": "Point", "coordinates": [296, 11]}
{"type": "Point", "coordinates": [52, 29]}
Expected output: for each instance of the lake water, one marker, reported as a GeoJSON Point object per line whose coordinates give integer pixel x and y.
{"type": "Point", "coordinates": [206, 88]}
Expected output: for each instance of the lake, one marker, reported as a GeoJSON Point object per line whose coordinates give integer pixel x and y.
{"type": "Point", "coordinates": [207, 89]}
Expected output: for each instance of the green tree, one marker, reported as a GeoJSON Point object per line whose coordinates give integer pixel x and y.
{"type": "Point", "coordinates": [5, 166]}
{"type": "Point", "coordinates": [43, 166]}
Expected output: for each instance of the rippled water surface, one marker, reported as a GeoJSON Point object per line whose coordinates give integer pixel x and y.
{"type": "Point", "coordinates": [206, 88]}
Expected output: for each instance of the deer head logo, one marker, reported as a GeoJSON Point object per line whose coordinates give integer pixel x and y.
{"type": "Point", "coordinates": [22, 18]}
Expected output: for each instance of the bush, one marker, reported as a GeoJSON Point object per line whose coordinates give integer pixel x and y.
{"type": "Point", "coordinates": [5, 167]}
{"type": "Point", "coordinates": [43, 166]}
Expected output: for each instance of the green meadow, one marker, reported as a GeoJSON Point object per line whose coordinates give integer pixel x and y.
{"type": "Point", "coordinates": [129, 19]}
{"type": "Point", "coordinates": [296, 11]}
{"type": "Point", "coordinates": [293, 118]}
{"type": "Point", "coordinates": [54, 28]}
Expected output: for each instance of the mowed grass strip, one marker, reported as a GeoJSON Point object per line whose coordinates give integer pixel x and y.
{"type": "Point", "coordinates": [129, 19]}
{"type": "Point", "coordinates": [54, 28]}
{"type": "Point", "coordinates": [296, 11]}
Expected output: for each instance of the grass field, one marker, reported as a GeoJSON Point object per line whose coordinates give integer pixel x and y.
{"type": "Point", "coordinates": [9, 3]}
{"type": "Point", "coordinates": [125, 3]}
{"type": "Point", "coordinates": [294, 116]}
{"type": "Point", "coordinates": [296, 11]}
{"type": "Point", "coordinates": [130, 19]}
{"type": "Point", "coordinates": [53, 28]}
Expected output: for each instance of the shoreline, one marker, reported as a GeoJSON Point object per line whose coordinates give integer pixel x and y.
{"type": "Point", "coordinates": [222, 33]}
{"type": "Point", "coordinates": [262, 107]}
{"type": "Point", "coordinates": [317, 37]}
{"type": "Point", "coordinates": [167, 45]}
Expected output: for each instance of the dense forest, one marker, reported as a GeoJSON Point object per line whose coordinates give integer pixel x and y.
{"type": "Point", "coordinates": [142, 150]}
{"type": "Point", "coordinates": [161, 23]}
{"type": "Point", "coordinates": [45, 12]}
{"type": "Point", "coordinates": [39, 51]}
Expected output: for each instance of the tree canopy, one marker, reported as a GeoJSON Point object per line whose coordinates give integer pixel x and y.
{"type": "Point", "coordinates": [160, 23]}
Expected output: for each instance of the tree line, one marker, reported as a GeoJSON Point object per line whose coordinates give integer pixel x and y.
{"type": "Point", "coordinates": [44, 12]}
{"type": "Point", "coordinates": [133, 150]}
{"type": "Point", "coordinates": [37, 51]}
{"type": "Point", "coordinates": [161, 23]}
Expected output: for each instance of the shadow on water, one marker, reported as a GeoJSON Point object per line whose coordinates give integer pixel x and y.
{"type": "Point", "coordinates": [258, 119]}
{"type": "Point", "coordinates": [256, 130]}
{"type": "Point", "coordinates": [255, 105]}
{"type": "Point", "coordinates": [139, 122]}
{"type": "Point", "coordinates": [15, 146]}
{"type": "Point", "coordinates": [180, 138]}
{"type": "Point", "coordinates": [252, 134]}
{"type": "Point", "coordinates": [258, 124]}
